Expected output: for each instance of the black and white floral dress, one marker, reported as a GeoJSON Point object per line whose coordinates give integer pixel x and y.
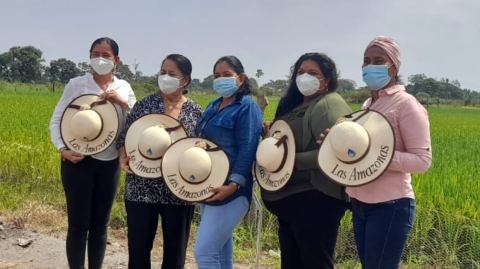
{"type": "Point", "coordinates": [139, 189]}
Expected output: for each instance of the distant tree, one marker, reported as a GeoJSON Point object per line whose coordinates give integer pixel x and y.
{"type": "Point", "coordinates": [253, 82]}
{"type": "Point", "coordinates": [124, 72]}
{"type": "Point", "coordinates": [400, 80]}
{"type": "Point", "coordinates": [279, 85]}
{"type": "Point", "coordinates": [258, 75]}
{"type": "Point", "coordinates": [414, 79]}
{"type": "Point", "coordinates": [45, 74]}
{"type": "Point", "coordinates": [207, 83]}
{"type": "Point", "coordinates": [153, 80]}
{"type": "Point", "coordinates": [136, 72]}
{"type": "Point", "coordinates": [84, 68]}
{"type": "Point", "coordinates": [23, 64]}
{"type": "Point", "coordinates": [195, 85]}
{"type": "Point", "coordinates": [63, 70]}
{"type": "Point", "coordinates": [422, 95]}
{"type": "Point", "coordinates": [455, 83]}
{"type": "Point", "coordinates": [358, 96]}
{"type": "Point", "coordinates": [345, 84]}
{"type": "Point", "coordinates": [430, 86]}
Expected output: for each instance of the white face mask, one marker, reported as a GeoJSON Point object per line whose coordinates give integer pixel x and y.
{"type": "Point", "coordinates": [308, 84]}
{"type": "Point", "coordinates": [168, 84]}
{"type": "Point", "coordinates": [101, 65]}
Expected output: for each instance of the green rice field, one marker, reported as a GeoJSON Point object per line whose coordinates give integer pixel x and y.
{"type": "Point", "coordinates": [447, 228]}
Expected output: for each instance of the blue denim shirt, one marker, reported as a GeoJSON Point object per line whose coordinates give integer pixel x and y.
{"type": "Point", "coordinates": [236, 129]}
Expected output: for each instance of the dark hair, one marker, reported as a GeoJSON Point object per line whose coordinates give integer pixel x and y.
{"type": "Point", "coordinates": [293, 97]}
{"type": "Point", "coordinates": [185, 66]}
{"type": "Point", "coordinates": [107, 40]}
{"type": "Point", "coordinates": [245, 88]}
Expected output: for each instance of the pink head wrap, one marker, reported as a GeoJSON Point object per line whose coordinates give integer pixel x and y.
{"type": "Point", "coordinates": [390, 47]}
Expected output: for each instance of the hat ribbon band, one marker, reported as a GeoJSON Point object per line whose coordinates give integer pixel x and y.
{"type": "Point", "coordinates": [282, 141]}
{"type": "Point", "coordinates": [171, 129]}
{"type": "Point", "coordinates": [149, 158]}
{"type": "Point", "coordinates": [349, 116]}
{"type": "Point", "coordinates": [195, 183]}
{"type": "Point", "coordinates": [208, 147]}
{"type": "Point", "coordinates": [97, 103]}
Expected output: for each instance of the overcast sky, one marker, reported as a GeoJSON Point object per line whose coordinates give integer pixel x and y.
{"type": "Point", "coordinates": [440, 38]}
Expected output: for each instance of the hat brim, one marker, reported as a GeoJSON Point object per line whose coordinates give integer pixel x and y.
{"type": "Point", "coordinates": [183, 189]}
{"type": "Point", "coordinates": [375, 162]}
{"type": "Point", "coordinates": [275, 181]}
{"type": "Point", "coordinates": [140, 165]}
{"type": "Point", "coordinates": [110, 125]}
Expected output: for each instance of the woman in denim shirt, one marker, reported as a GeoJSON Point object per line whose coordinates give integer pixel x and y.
{"type": "Point", "coordinates": [234, 122]}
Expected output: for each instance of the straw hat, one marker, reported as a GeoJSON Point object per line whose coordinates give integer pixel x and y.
{"type": "Point", "coordinates": [193, 166]}
{"type": "Point", "coordinates": [89, 125]}
{"type": "Point", "coordinates": [275, 157]}
{"type": "Point", "coordinates": [147, 140]}
{"type": "Point", "coordinates": [358, 149]}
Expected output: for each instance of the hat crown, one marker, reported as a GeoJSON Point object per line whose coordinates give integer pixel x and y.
{"type": "Point", "coordinates": [269, 155]}
{"type": "Point", "coordinates": [195, 165]}
{"type": "Point", "coordinates": [154, 142]}
{"type": "Point", "coordinates": [349, 141]}
{"type": "Point", "coordinates": [86, 124]}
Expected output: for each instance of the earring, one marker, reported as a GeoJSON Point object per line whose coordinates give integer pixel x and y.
{"type": "Point", "coordinates": [114, 70]}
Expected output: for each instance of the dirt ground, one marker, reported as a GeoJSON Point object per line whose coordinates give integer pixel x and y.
{"type": "Point", "coordinates": [47, 252]}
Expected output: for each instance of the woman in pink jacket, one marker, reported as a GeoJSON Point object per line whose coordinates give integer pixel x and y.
{"type": "Point", "coordinates": [384, 210]}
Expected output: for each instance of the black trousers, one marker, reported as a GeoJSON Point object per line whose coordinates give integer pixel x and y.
{"type": "Point", "coordinates": [308, 228]}
{"type": "Point", "coordinates": [90, 186]}
{"type": "Point", "coordinates": [142, 221]}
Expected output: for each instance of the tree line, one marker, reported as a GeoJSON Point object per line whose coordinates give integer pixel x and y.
{"type": "Point", "coordinates": [26, 65]}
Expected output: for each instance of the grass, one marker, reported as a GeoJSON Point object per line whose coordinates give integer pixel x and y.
{"type": "Point", "coordinates": [447, 228]}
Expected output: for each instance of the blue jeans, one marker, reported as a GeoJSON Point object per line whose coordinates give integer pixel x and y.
{"type": "Point", "coordinates": [214, 243]}
{"type": "Point", "coordinates": [381, 231]}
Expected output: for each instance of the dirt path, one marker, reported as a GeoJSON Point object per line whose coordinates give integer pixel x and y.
{"type": "Point", "coordinates": [46, 252]}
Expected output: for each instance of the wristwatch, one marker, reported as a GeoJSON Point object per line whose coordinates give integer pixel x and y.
{"type": "Point", "coordinates": [236, 184]}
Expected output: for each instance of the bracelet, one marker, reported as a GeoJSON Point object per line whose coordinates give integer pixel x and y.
{"type": "Point", "coordinates": [235, 183]}
{"type": "Point", "coordinates": [62, 149]}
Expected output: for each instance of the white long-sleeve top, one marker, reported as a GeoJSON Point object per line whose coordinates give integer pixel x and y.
{"type": "Point", "coordinates": [86, 85]}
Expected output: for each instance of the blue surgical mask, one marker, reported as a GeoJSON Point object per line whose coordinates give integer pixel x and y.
{"type": "Point", "coordinates": [225, 86]}
{"type": "Point", "coordinates": [376, 76]}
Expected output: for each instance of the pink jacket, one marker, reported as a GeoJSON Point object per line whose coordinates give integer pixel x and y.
{"type": "Point", "coordinates": [413, 152]}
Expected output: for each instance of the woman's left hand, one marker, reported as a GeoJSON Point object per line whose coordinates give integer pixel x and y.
{"type": "Point", "coordinates": [323, 136]}
{"type": "Point", "coordinates": [113, 97]}
{"type": "Point", "coordinates": [222, 192]}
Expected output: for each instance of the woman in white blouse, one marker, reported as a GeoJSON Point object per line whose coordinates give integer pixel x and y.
{"type": "Point", "coordinates": [90, 182]}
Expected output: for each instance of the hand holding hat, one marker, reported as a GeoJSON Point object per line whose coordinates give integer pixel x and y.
{"type": "Point", "coordinates": [221, 193]}
{"type": "Point", "coordinates": [112, 96]}
{"type": "Point", "coordinates": [125, 164]}
{"type": "Point", "coordinates": [266, 129]}
{"type": "Point", "coordinates": [71, 155]}
{"type": "Point", "coordinates": [323, 136]}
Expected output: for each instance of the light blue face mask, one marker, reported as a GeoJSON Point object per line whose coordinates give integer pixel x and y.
{"type": "Point", "coordinates": [376, 76]}
{"type": "Point", "coordinates": [225, 86]}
